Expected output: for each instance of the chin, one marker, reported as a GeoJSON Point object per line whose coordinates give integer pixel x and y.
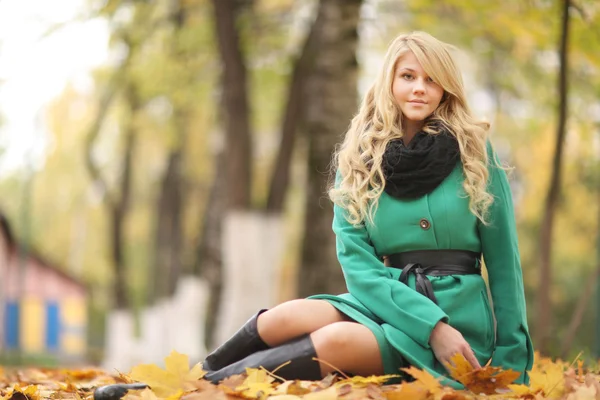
{"type": "Point", "coordinates": [415, 118]}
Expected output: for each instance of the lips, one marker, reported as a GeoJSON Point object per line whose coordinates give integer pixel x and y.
{"type": "Point", "coordinates": [418, 101]}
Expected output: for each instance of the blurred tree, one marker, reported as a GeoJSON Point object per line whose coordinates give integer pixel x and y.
{"type": "Point", "coordinates": [117, 201]}
{"type": "Point", "coordinates": [331, 98]}
{"type": "Point", "coordinates": [169, 234]}
{"type": "Point", "coordinates": [333, 37]}
{"type": "Point", "coordinates": [544, 306]}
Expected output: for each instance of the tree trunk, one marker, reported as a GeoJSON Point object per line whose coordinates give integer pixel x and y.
{"type": "Point", "coordinates": [579, 311]}
{"type": "Point", "coordinates": [544, 307]}
{"type": "Point", "coordinates": [209, 262]}
{"type": "Point", "coordinates": [168, 258]}
{"type": "Point", "coordinates": [238, 171]}
{"type": "Point", "coordinates": [292, 118]}
{"type": "Point", "coordinates": [168, 234]}
{"type": "Point", "coordinates": [120, 207]}
{"type": "Point", "coordinates": [331, 98]}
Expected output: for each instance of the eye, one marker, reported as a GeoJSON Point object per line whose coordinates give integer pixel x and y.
{"type": "Point", "coordinates": [407, 76]}
{"type": "Point", "coordinates": [430, 79]}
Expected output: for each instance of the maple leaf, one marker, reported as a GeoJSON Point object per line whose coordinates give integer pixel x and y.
{"type": "Point", "coordinates": [30, 392]}
{"type": "Point", "coordinates": [296, 388]}
{"type": "Point", "coordinates": [176, 376]}
{"type": "Point", "coordinates": [374, 392]}
{"type": "Point", "coordinates": [83, 374]}
{"type": "Point", "coordinates": [458, 366]}
{"type": "Point", "coordinates": [361, 381]}
{"type": "Point", "coordinates": [424, 380]}
{"type": "Point", "coordinates": [548, 377]}
{"type": "Point", "coordinates": [408, 391]}
{"type": "Point", "coordinates": [258, 384]}
{"type": "Point", "coordinates": [486, 380]}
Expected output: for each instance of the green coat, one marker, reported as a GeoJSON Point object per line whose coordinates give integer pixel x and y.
{"type": "Point", "coordinates": [401, 318]}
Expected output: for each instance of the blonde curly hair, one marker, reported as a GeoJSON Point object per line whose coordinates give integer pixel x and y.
{"type": "Point", "coordinates": [379, 120]}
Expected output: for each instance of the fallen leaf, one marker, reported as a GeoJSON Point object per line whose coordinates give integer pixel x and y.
{"type": "Point", "coordinates": [257, 385]}
{"type": "Point", "coordinates": [360, 381]}
{"type": "Point", "coordinates": [175, 378]}
{"type": "Point", "coordinates": [548, 377]}
{"type": "Point", "coordinates": [408, 391]}
{"type": "Point", "coordinates": [485, 380]}
{"type": "Point", "coordinates": [327, 394]}
{"type": "Point", "coordinates": [424, 379]}
{"type": "Point", "coordinates": [344, 389]}
{"type": "Point", "coordinates": [375, 393]}
{"type": "Point", "coordinates": [296, 388]}
{"type": "Point", "coordinates": [458, 366]}
{"type": "Point", "coordinates": [327, 381]}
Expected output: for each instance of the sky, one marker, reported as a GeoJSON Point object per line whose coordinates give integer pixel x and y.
{"type": "Point", "coordinates": [35, 66]}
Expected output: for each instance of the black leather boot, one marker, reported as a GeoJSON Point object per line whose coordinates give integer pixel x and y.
{"type": "Point", "coordinates": [299, 351]}
{"type": "Point", "coordinates": [243, 343]}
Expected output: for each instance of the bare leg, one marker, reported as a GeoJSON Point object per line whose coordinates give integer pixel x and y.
{"type": "Point", "coordinates": [295, 318]}
{"type": "Point", "coordinates": [348, 346]}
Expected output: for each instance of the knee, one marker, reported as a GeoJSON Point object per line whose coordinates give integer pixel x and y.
{"type": "Point", "coordinates": [339, 335]}
{"type": "Point", "coordinates": [285, 314]}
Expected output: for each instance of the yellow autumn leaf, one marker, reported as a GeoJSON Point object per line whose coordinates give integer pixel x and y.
{"type": "Point", "coordinates": [361, 381]}
{"type": "Point", "coordinates": [31, 392]}
{"type": "Point", "coordinates": [548, 377]}
{"type": "Point", "coordinates": [257, 385]}
{"type": "Point", "coordinates": [458, 366]}
{"type": "Point", "coordinates": [424, 379]}
{"type": "Point", "coordinates": [174, 378]}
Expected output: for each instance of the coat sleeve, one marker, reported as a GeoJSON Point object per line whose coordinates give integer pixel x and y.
{"type": "Point", "coordinates": [513, 349]}
{"type": "Point", "coordinates": [371, 283]}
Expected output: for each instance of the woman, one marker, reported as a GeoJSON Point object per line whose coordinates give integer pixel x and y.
{"type": "Point", "coordinates": [419, 198]}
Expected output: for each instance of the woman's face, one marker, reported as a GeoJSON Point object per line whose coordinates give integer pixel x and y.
{"type": "Point", "coordinates": [415, 92]}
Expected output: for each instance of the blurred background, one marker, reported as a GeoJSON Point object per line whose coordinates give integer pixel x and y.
{"type": "Point", "coordinates": [164, 163]}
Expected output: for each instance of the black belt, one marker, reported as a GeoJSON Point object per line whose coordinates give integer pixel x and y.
{"type": "Point", "coordinates": [434, 263]}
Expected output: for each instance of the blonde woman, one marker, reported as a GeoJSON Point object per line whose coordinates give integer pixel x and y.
{"type": "Point", "coordinates": [419, 199]}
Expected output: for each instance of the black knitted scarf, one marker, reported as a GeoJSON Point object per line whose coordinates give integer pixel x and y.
{"type": "Point", "coordinates": [414, 170]}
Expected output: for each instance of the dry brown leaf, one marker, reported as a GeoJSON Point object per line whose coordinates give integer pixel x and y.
{"type": "Point", "coordinates": [454, 396]}
{"type": "Point", "coordinates": [327, 381]}
{"type": "Point", "coordinates": [408, 391]}
{"type": "Point", "coordinates": [486, 380]}
{"type": "Point", "coordinates": [327, 394]}
{"type": "Point", "coordinates": [344, 389]}
{"type": "Point", "coordinates": [296, 388]}
{"type": "Point", "coordinates": [374, 392]}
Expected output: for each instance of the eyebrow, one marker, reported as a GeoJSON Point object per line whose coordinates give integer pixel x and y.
{"type": "Point", "coordinates": [408, 69]}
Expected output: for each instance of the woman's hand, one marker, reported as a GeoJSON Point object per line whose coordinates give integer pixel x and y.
{"type": "Point", "coordinates": [446, 341]}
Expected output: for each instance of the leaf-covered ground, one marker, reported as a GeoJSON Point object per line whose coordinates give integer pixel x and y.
{"type": "Point", "coordinates": [549, 379]}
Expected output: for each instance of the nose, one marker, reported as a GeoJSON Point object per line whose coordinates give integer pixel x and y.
{"type": "Point", "coordinates": [419, 86]}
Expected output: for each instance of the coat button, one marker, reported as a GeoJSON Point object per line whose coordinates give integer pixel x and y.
{"type": "Point", "coordinates": [424, 224]}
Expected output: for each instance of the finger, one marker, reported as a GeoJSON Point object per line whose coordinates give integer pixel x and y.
{"type": "Point", "coordinates": [470, 356]}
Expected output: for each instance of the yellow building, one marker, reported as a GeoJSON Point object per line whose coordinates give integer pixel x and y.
{"type": "Point", "coordinates": [43, 310]}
